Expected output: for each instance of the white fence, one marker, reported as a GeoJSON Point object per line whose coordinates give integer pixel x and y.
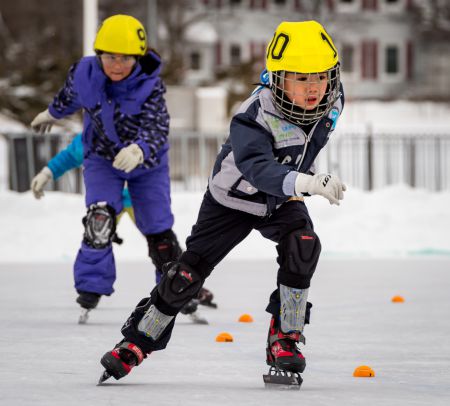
{"type": "Point", "coordinates": [363, 160]}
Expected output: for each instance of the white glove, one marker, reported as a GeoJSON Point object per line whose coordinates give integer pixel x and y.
{"type": "Point", "coordinates": [128, 158]}
{"type": "Point", "coordinates": [39, 181]}
{"type": "Point", "coordinates": [326, 185]}
{"type": "Point", "coordinates": [43, 122]}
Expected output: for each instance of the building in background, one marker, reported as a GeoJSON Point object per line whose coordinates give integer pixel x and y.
{"type": "Point", "coordinates": [383, 49]}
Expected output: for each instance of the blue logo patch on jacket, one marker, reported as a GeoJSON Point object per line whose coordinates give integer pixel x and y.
{"type": "Point", "coordinates": [334, 115]}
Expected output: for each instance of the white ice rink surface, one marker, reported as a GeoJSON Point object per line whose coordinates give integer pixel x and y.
{"type": "Point", "coordinates": [48, 359]}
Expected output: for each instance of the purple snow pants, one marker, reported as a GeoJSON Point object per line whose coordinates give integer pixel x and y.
{"type": "Point", "coordinates": [94, 269]}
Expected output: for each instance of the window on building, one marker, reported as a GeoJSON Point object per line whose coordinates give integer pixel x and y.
{"type": "Point", "coordinates": [391, 1]}
{"type": "Point", "coordinates": [235, 55]}
{"type": "Point", "coordinates": [347, 58]}
{"type": "Point", "coordinates": [369, 60]}
{"type": "Point", "coordinates": [258, 4]}
{"type": "Point", "coordinates": [195, 60]}
{"type": "Point", "coordinates": [280, 2]}
{"type": "Point", "coordinates": [370, 4]}
{"type": "Point", "coordinates": [391, 59]}
{"type": "Point", "coordinates": [346, 1]}
{"type": "Point", "coordinates": [235, 2]}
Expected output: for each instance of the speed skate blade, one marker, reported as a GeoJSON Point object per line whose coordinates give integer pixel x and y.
{"type": "Point", "coordinates": [278, 379]}
{"type": "Point", "coordinates": [84, 316]}
{"type": "Point", "coordinates": [197, 319]}
{"type": "Point", "coordinates": [103, 378]}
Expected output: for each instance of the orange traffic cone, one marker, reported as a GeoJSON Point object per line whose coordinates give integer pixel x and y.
{"type": "Point", "coordinates": [224, 338]}
{"type": "Point", "coordinates": [363, 371]}
{"type": "Point", "coordinates": [397, 299]}
{"type": "Point", "coordinates": [245, 318]}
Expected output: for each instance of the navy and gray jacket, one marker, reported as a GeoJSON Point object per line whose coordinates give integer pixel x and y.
{"type": "Point", "coordinates": [117, 114]}
{"type": "Point", "coordinates": [256, 169]}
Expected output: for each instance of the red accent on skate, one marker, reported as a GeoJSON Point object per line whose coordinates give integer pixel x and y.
{"type": "Point", "coordinates": [136, 351]}
{"type": "Point", "coordinates": [278, 351]}
{"type": "Point", "coordinates": [163, 247]}
{"type": "Point", "coordinates": [292, 336]}
{"type": "Point", "coordinates": [306, 237]}
{"type": "Point", "coordinates": [125, 366]}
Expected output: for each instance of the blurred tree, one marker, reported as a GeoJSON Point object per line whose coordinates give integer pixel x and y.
{"type": "Point", "coordinates": [38, 41]}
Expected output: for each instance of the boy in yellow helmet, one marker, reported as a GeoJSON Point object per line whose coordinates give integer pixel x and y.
{"type": "Point", "coordinates": [258, 182]}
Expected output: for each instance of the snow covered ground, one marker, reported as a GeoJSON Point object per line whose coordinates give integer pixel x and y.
{"type": "Point", "coordinates": [49, 360]}
{"type": "Point", "coordinates": [394, 222]}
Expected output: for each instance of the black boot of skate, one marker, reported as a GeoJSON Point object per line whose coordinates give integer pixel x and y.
{"type": "Point", "coordinates": [119, 362]}
{"type": "Point", "coordinates": [88, 300]}
{"type": "Point", "coordinates": [205, 298]}
{"type": "Point", "coordinates": [190, 310]}
{"type": "Point", "coordinates": [282, 351]}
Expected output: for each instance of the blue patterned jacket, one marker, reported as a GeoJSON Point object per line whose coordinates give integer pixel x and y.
{"type": "Point", "coordinates": [117, 114]}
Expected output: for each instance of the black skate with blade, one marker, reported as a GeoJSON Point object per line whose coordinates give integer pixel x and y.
{"type": "Point", "coordinates": [205, 298]}
{"type": "Point", "coordinates": [88, 301]}
{"type": "Point", "coordinates": [284, 358]}
{"type": "Point", "coordinates": [119, 362]}
{"type": "Point", "coordinates": [190, 310]}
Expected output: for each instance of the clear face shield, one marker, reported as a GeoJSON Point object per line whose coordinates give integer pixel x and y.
{"type": "Point", "coordinates": [304, 98]}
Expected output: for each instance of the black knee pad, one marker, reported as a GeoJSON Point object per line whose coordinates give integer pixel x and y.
{"type": "Point", "coordinates": [163, 248]}
{"type": "Point", "coordinates": [298, 254]}
{"type": "Point", "coordinates": [179, 284]}
{"type": "Point", "coordinates": [99, 225]}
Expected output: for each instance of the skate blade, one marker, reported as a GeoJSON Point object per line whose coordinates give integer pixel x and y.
{"type": "Point", "coordinates": [197, 319]}
{"type": "Point", "coordinates": [278, 379]}
{"type": "Point", "coordinates": [84, 316]}
{"type": "Point", "coordinates": [103, 378]}
{"type": "Point", "coordinates": [209, 304]}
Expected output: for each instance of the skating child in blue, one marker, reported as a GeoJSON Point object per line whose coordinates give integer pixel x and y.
{"type": "Point", "coordinates": [125, 131]}
{"type": "Point", "coordinates": [258, 182]}
{"type": "Point", "coordinates": [72, 157]}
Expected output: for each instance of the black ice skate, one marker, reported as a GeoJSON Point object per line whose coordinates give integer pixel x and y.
{"type": "Point", "coordinates": [284, 358]}
{"type": "Point", "coordinates": [88, 301]}
{"type": "Point", "coordinates": [119, 362]}
{"type": "Point", "coordinates": [190, 310]}
{"type": "Point", "coordinates": [205, 298]}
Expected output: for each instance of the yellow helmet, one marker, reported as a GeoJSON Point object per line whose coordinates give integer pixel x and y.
{"type": "Point", "coordinates": [303, 50]}
{"type": "Point", "coordinates": [121, 34]}
{"type": "Point", "coordinates": [303, 47]}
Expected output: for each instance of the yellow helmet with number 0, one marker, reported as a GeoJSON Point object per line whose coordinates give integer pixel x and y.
{"type": "Point", "coordinates": [121, 34]}
{"type": "Point", "coordinates": [302, 48]}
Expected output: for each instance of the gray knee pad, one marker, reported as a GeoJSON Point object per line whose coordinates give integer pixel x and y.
{"type": "Point", "coordinates": [179, 284]}
{"type": "Point", "coordinates": [299, 252]}
{"type": "Point", "coordinates": [99, 225]}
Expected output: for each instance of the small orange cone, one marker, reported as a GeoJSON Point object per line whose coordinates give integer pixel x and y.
{"type": "Point", "coordinates": [363, 371]}
{"type": "Point", "coordinates": [397, 299]}
{"type": "Point", "coordinates": [245, 318]}
{"type": "Point", "coordinates": [224, 338]}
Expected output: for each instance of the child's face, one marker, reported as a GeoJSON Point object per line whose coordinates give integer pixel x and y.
{"type": "Point", "coordinates": [305, 90]}
{"type": "Point", "coordinates": [116, 66]}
